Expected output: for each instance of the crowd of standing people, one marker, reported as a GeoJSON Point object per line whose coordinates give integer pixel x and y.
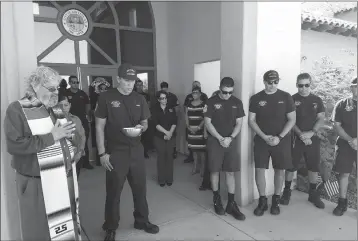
{"type": "Point", "coordinates": [286, 130]}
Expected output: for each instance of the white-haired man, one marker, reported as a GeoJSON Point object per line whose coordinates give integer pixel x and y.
{"type": "Point", "coordinates": [22, 119]}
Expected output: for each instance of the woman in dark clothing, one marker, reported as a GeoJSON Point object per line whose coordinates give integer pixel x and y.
{"type": "Point", "coordinates": [62, 87]}
{"type": "Point", "coordinates": [165, 121]}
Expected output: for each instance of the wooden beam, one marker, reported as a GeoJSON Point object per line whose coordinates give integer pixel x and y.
{"type": "Point", "coordinates": [337, 30]}
{"type": "Point", "coordinates": [323, 27]}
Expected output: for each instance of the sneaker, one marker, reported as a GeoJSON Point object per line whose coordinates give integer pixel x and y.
{"type": "Point", "coordinates": [218, 206]}
{"type": "Point", "coordinates": [286, 196]}
{"type": "Point", "coordinates": [110, 235]}
{"type": "Point", "coordinates": [233, 209]}
{"type": "Point", "coordinates": [204, 187]}
{"type": "Point", "coordinates": [88, 166]}
{"type": "Point", "coordinates": [275, 205]}
{"type": "Point", "coordinates": [147, 227]}
{"type": "Point", "coordinates": [169, 183]}
{"type": "Point", "coordinates": [342, 207]}
{"type": "Point", "coordinates": [313, 197]}
{"type": "Point", "coordinates": [261, 207]}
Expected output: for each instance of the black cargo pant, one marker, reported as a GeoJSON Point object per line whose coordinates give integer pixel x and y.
{"type": "Point", "coordinates": [128, 164]}
{"type": "Point", "coordinates": [165, 159]}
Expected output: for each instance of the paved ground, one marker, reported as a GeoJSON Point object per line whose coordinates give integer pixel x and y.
{"type": "Point", "coordinates": [185, 213]}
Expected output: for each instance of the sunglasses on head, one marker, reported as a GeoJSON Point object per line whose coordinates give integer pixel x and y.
{"type": "Point", "coordinates": [226, 92]}
{"type": "Point", "coordinates": [303, 85]}
{"type": "Point", "coordinates": [272, 82]}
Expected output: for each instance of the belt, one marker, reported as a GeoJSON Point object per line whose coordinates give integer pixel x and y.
{"type": "Point", "coordinates": [38, 177]}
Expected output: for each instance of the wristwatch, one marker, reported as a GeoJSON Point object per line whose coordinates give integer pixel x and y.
{"type": "Point", "coordinates": [101, 155]}
{"type": "Point", "coordinates": [232, 138]}
{"type": "Point", "coordinates": [280, 137]}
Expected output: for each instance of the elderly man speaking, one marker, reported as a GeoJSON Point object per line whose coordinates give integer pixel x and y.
{"type": "Point", "coordinates": [42, 156]}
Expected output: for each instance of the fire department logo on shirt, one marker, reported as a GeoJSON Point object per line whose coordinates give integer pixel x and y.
{"type": "Point", "coordinates": [115, 103]}
{"type": "Point", "coordinates": [349, 108]}
{"type": "Point", "coordinates": [217, 106]}
{"type": "Point", "coordinates": [315, 105]}
{"type": "Point", "coordinates": [263, 103]}
{"type": "Point", "coordinates": [297, 103]}
{"type": "Point", "coordinates": [170, 110]}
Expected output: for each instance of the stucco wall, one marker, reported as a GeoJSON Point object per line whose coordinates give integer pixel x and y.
{"type": "Point", "coordinates": [194, 37]}
{"type": "Point", "coordinates": [318, 44]}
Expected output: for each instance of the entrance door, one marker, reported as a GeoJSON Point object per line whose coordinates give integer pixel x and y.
{"type": "Point", "coordinates": [87, 78]}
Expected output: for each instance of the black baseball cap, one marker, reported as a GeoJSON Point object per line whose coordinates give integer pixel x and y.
{"type": "Point", "coordinates": [227, 82]}
{"type": "Point", "coordinates": [271, 75]}
{"type": "Point", "coordinates": [354, 81]}
{"type": "Point", "coordinates": [126, 71]}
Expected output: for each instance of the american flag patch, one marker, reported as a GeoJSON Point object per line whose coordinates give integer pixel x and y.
{"type": "Point", "coordinates": [330, 186]}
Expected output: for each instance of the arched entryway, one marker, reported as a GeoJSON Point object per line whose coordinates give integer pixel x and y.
{"type": "Point", "coordinates": [91, 39]}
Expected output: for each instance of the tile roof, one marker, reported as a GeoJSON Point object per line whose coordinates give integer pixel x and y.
{"type": "Point", "coordinates": [332, 22]}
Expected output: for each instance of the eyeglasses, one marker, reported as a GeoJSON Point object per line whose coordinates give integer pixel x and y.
{"type": "Point", "coordinates": [303, 85]}
{"type": "Point", "coordinates": [273, 82]}
{"type": "Point", "coordinates": [196, 93]}
{"type": "Point", "coordinates": [226, 92]}
{"type": "Point", "coordinates": [162, 98]}
{"type": "Point", "coordinates": [74, 82]}
{"type": "Point", "coordinates": [50, 89]}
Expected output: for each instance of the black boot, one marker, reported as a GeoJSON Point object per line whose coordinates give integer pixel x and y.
{"type": "Point", "coordinates": [147, 227]}
{"type": "Point", "coordinates": [233, 209]}
{"type": "Point", "coordinates": [261, 207]}
{"type": "Point", "coordinates": [218, 206]}
{"type": "Point", "coordinates": [342, 207]}
{"type": "Point", "coordinates": [110, 235]}
{"type": "Point", "coordinates": [275, 205]}
{"type": "Point", "coordinates": [313, 197]}
{"type": "Point", "coordinates": [286, 196]}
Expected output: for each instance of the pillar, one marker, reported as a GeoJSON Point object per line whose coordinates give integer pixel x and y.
{"type": "Point", "coordinates": [256, 37]}
{"type": "Point", "coordinates": [18, 59]}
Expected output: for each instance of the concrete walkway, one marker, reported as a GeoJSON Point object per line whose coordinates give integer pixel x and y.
{"type": "Point", "coordinates": [185, 213]}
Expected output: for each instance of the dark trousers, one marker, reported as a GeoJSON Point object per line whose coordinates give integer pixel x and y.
{"type": "Point", "coordinates": [146, 141]}
{"type": "Point", "coordinates": [206, 178]}
{"type": "Point", "coordinates": [164, 159]}
{"type": "Point", "coordinates": [128, 164]}
{"type": "Point", "coordinates": [33, 217]}
{"type": "Point", "coordinates": [84, 161]}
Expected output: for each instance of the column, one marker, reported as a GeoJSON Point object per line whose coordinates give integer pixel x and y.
{"type": "Point", "coordinates": [18, 59]}
{"type": "Point", "coordinates": [256, 37]}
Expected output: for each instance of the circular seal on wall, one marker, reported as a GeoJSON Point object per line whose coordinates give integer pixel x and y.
{"type": "Point", "coordinates": [75, 22]}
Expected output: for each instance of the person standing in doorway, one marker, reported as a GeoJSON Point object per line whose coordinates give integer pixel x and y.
{"type": "Point", "coordinates": [173, 102]}
{"type": "Point", "coordinates": [165, 122]}
{"type": "Point", "coordinates": [344, 117]}
{"type": "Point", "coordinates": [310, 113]}
{"type": "Point", "coordinates": [80, 107]}
{"type": "Point", "coordinates": [188, 99]}
{"type": "Point", "coordinates": [147, 136]}
{"type": "Point", "coordinates": [272, 116]}
{"type": "Point", "coordinates": [223, 120]}
{"type": "Point", "coordinates": [123, 159]}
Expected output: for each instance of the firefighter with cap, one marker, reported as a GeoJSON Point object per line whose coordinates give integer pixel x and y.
{"type": "Point", "coordinates": [272, 116]}
{"type": "Point", "coordinates": [123, 159]}
{"type": "Point", "coordinates": [344, 117]}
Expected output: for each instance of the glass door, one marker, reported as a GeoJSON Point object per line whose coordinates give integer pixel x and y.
{"type": "Point", "coordinates": [93, 81]}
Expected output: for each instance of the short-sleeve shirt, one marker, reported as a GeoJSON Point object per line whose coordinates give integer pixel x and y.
{"type": "Point", "coordinates": [78, 101]}
{"type": "Point", "coordinates": [271, 110]}
{"type": "Point", "coordinates": [172, 100]}
{"type": "Point", "coordinates": [165, 118]}
{"type": "Point", "coordinates": [307, 108]}
{"type": "Point", "coordinates": [345, 112]}
{"type": "Point", "coordinates": [223, 113]}
{"type": "Point", "coordinates": [121, 111]}
{"type": "Point", "coordinates": [189, 98]}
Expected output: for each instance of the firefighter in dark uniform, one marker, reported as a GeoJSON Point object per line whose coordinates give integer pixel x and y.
{"type": "Point", "coordinates": [272, 116]}
{"type": "Point", "coordinates": [117, 109]}
{"type": "Point", "coordinates": [344, 117]}
{"type": "Point", "coordinates": [310, 113]}
{"type": "Point", "coordinates": [173, 102]}
{"type": "Point", "coordinates": [223, 119]}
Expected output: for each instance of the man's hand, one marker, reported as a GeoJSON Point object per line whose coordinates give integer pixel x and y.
{"type": "Point", "coordinates": [225, 142]}
{"type": "Point", "coordinates": [168, 135]}
{"type": "Point", "coordinates": [275, 140]}
{"type": "Point", "coordinates": [63, 131]}
{"type": "Point", "coordinates": [140, 127]}
{"type": "Point", "coordinates": [307, 141]}
{"type": "Point", "coordinates": [353, 143]}
{"type": "Point", "coordinates": [268, 139]}
{"type": "Point", "coordinates": [306, 135]}
{"type": "Point", "coordinates": [105, 162]}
